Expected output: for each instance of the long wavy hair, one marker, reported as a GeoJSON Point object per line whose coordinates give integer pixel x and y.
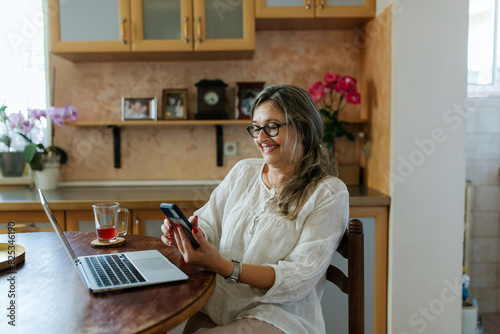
{"type": "Point", "coordinates": [307, 153]}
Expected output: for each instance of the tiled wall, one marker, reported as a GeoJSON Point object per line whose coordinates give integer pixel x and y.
{"type": "Point", "coordinates": [483, 170]}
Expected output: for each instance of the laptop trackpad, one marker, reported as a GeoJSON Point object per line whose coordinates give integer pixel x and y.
{"type": "Point", "coordinates": [156, 263]}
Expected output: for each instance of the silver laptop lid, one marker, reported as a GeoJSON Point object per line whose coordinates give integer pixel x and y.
{"type": "Point", "coordinates": [56, 226]}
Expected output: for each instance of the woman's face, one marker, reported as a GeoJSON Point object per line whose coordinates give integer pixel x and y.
{"type": "Point", "coordinates": [272, 148]}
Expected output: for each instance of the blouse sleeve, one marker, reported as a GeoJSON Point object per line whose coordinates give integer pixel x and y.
{"type": "Point", "coordinates": [211, 214]}
{"type": "Point", "coordinates": [299, 272]}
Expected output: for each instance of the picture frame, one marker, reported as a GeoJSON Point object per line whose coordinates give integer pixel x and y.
{"type": "Point", "coordinates": [246, 92]}
{"type": "Point", "coordinates": [139, 108]}
{"type": "Point", "coordinates": [174, 105]}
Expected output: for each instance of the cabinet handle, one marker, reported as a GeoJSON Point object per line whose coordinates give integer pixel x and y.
{"type": "Point", "coordinates": [186, 36]}
{"type": "Point", "coordinates": [308, 5]}
{"type": "Point", "coordinates": [322, 5]}
{"type": "Point", "coordinates": [124, 41]}
{"type": "Point", "coordinates": [138, 224]}
{"type": "Point", "coordinates": [198, 29]}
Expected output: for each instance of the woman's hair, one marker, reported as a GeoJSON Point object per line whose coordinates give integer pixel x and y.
{"type": "Point", "coordinates": [307, 153]}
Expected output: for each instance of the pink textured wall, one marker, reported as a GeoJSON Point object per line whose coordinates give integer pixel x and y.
{"type": "Point", "coordinates": [186, 152]}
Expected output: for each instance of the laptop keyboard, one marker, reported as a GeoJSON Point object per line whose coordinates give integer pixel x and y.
{"type": "Point", "coordinates": [112, 270]}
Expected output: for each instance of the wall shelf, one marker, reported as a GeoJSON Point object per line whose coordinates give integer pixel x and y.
{"type": "Point", "coordinates": [116, 125]}
{"type": "Point", "coordinates": [163, 123]}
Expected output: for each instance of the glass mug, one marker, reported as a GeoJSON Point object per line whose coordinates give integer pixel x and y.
{"type": "Point", "coordinates": [106, 221]}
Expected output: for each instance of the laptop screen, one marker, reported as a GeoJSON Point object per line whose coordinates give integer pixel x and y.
{"type": "Point", "coordinates": [55, 225]}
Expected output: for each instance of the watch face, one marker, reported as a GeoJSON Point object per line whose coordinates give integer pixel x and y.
{"type": "Point", "coordinates": [210, 98]}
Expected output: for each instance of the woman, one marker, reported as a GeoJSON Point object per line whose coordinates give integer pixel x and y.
{"type": "Point", "coordinates": [272, 225]}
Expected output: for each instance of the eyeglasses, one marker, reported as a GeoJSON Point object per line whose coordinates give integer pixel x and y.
{"type": "Point", "coordinates": [271, 129]}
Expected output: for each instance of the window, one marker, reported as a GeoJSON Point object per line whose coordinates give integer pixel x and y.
{"type": "Point", "coordinates": [22, 59]}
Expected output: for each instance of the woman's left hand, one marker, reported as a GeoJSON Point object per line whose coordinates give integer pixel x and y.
{"type": "Point", "coordinates": [206, 256]}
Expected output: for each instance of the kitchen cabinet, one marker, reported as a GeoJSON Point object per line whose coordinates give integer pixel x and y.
{"type": "Point", "coordinates": [89, 26]}
{"type": "Point", "coordinates": [124, 26]}
{"type": "Point", "coordinates": [29, 221]}
{"type": "Point", "coordinates": [314, 8]}
{"type": "Point", "coordinates": [80, 220]}
{"type": "Point", "coordinates": [208, 25]}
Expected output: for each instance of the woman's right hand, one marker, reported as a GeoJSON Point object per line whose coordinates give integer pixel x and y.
{"type": "Point", "coordinates": [206, 256]}
{"type": "Point", "coordinates": [167, 228]}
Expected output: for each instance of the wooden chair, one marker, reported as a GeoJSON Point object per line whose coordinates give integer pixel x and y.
{"type": "Point", "coordinates": [351, 248]}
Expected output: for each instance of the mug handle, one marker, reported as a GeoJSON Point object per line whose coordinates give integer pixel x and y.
{"type": "Point", "coordinates": [124, 232]}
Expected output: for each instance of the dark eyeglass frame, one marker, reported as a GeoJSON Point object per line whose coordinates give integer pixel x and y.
{"type": "Point", "coordinates": [257, 129]}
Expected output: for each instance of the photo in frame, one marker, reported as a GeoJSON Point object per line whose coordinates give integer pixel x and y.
{"type": "Point", "coordinates": [136, 109]}
{"type": "Point", "coordinates": [246, 92]}
{"type": "Point", "coordinates": [174, 104]}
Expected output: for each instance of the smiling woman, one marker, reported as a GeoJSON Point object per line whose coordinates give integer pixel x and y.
{"type": "Point", "coordinates": [22, 61]}
{"type": "Point", "coordinates": [289, 200]}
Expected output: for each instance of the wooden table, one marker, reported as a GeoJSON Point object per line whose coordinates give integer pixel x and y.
{"type": "Point", "coordinates": [51, 298]}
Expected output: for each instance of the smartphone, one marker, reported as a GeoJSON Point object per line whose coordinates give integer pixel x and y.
{"type": "Point", "coordinates": [175, 215]}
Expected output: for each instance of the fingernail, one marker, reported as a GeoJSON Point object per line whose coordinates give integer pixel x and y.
{"type": "Point", "coordinates": [169, 227]}
{"type": "Point", "coordinates": [195, 229]}
{"type": "Point", "coordinates": [176, 225]}
{"type": "Point", "coordinates": [170, 235]}
{"type": "Point", "coordinates": [170, 243]}
{"type": "Point", "coordinates": [196, 217]}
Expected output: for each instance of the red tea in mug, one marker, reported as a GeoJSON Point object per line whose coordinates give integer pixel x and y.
{"type": "Point", "coordinates": [107, 232]}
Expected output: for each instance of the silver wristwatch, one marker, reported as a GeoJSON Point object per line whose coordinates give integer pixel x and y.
{"type": "Point", "coordinates": [235, 276]}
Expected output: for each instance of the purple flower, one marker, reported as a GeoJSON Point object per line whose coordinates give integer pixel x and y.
{"type": "Point", "coordinates": [36, 113]}
{"type": "Point", "coordinates": [70, 111]}
{"type": "Point", "coordinates": [26, 126]}
{"type": "Point", "coordinates": [56, 115]}
{"type": "Point", "coordinates": [15, 120]}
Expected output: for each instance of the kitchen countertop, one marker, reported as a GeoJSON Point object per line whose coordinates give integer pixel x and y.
{"type": "Point", "coordinates": [81, 198]}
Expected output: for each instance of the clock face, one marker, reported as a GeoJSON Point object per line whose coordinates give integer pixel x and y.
{"type": "Point", "coordinates": [211, 98]}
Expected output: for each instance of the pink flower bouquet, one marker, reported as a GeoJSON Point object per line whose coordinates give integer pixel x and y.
{"type": "Point", "coordinates": [331, 98]}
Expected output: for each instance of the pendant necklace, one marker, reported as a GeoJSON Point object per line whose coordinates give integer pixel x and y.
{"type": "Point", "coordinates": [270, 181]}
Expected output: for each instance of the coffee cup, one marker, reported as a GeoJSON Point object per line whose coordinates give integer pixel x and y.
{"type": "Point", "coordinates": [106, 221]}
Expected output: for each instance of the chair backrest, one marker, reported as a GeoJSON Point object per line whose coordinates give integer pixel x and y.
{"type": "Point", "coordinates": [351, 248]}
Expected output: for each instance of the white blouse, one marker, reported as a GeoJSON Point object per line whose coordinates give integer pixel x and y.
{"type": "Point", "coordinates": [242, 220]}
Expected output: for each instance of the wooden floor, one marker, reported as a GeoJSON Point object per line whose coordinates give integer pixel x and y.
{"type": "Point", "coordinates": [491, 323]}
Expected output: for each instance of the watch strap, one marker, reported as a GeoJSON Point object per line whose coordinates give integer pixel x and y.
{"type": "Point", "coordinates": [235, 275]}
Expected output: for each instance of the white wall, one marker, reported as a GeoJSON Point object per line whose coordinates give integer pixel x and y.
{"type": "Point", "coordinates": [429, 50]}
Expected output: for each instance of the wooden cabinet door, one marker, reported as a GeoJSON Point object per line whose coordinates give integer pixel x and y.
{"type": "Point", "coordinates": [87, 26]}
{"type": "Point", "coordinates": [162, 25]}
{"type": "Point", "coordinates": [284, 8]}
{"type": "Point", "coordinates": [80, 220]}
{"type": "Point", "coordinates": [224, 26]}
{"type": "Point", "coordinates": [314, 8]}
{"type": "Point", "coordinates": [29, 221]}
{"type": "Point", "coordinates": [345, 8]}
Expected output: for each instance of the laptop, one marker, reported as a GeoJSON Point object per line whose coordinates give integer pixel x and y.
{"type": "Point", "coordinates": [107, 272]}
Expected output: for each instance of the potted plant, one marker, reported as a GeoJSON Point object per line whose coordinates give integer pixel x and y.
{"type": "Point", "coordinates": [331, 98]}
{"type": "Point", "coordinates": [43, 160]}
{"type": "Point", "coordinates": [11, 162]}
